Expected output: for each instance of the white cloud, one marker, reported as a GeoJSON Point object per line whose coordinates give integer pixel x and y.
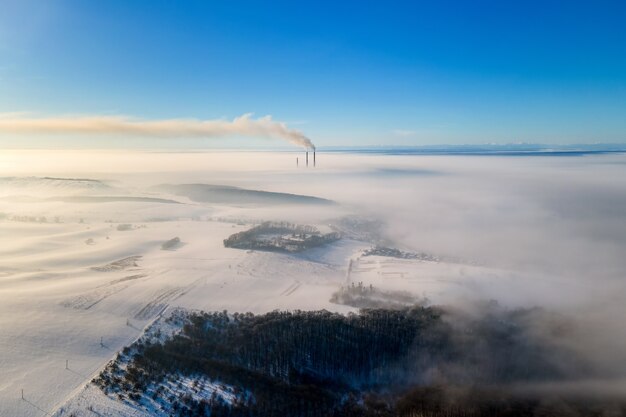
{"type": "Point", "coordinates": [403, 132]}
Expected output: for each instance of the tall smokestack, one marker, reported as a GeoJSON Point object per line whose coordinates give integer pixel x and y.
{"type": "Point", "coordinates": [307, 158]}
{"type": "Point", "coordinates": [313, 158]}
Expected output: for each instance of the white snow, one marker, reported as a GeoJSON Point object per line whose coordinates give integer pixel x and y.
{"type": "Point", "coordinates": [60, 297]}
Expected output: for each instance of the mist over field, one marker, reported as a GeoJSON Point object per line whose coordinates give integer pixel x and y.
{"type": "Point", "coordinates": [99, 244]}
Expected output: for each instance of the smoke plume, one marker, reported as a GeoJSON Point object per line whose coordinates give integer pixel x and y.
{"type": "Point", "coordinates": [244, 125]}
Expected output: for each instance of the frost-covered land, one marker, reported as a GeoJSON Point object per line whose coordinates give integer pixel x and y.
{"type": "Point", "coordinates": [95, 247]}
{"type": "Point", "coordinates": [404, 362]}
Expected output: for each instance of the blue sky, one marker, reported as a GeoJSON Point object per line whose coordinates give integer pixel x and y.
{"type": "Point", "coordinates": [344, 73]}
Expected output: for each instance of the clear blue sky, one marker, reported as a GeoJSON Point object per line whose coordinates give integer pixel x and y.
{"type": "Point", "coordinates": [345, 73]}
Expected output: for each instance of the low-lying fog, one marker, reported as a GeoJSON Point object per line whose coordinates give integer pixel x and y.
{"type": "Point", "coordinates": [563, 215]}
{"type": "Point", "coordinates": [549, 230]}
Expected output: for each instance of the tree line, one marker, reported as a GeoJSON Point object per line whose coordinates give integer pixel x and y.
{"type": "Point", "coordinates": [404, 362]}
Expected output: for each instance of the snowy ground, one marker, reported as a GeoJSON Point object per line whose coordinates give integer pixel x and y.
{"type": "Point", "coordinates": [77, 287]}
{"type": "Point", "coordinates": [156, 401]}
{"type": "Point", "coordinates": [61, 295]}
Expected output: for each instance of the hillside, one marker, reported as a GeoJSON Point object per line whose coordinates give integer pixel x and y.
{"type": "Point", "coordinates": [406, 362]}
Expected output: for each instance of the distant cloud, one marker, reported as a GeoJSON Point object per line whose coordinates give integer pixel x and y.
{"type": "Point", "coordinates": [14, 114]}
{"type": "Point", "coordinates": [403, 132]}
{"type": "Point", "coordinates": [244, 125]}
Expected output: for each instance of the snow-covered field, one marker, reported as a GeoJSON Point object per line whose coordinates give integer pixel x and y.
{"type": "Point", "coordinates": [92, 400]}
{"type": "Point", "coordinates": [83, 270]}
{"type": "Point", "coordinates": [61, 295]}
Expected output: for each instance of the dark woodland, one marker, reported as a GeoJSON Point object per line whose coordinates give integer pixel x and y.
{"type": "Point", "coordinates": [421, 361]}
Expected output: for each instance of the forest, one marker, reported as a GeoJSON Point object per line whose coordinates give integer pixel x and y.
{"type": "Point", "coordinates": [397, 253]}
{"type": "Point", "coordinates": [280, 237]}
{"type": "Point", "coordinates": [403, 362]}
